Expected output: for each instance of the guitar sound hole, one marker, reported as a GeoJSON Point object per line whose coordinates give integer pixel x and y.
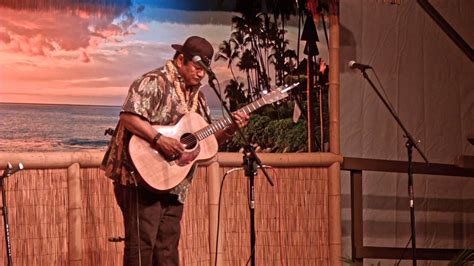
{"type": "Point", "coordinates": [189, 141]}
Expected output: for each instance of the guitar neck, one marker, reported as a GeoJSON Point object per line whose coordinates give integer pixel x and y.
{"type": "Point", "coordinates": [227, 121]}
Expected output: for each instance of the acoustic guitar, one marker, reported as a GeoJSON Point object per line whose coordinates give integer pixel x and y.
{"type": "Point", "coordinates": [157, 173]}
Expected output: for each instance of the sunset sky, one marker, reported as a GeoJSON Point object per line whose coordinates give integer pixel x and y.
{"type": "Point", "coordinates": [76, 55]}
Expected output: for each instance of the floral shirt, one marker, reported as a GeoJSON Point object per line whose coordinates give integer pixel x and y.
{"type": "Point", "coordinates": [156, 97]}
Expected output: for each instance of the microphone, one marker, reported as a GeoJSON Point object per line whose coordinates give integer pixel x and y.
{"type": "Point", "coordinates": [353, 64]}
{"type": "Point", "coordinates": [197, 60]}
{"type": "Point", "coordinates": [11, 170]}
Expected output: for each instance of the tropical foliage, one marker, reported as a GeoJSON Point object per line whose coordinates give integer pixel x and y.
{"type": "Point", "coordinates": [258, 49]}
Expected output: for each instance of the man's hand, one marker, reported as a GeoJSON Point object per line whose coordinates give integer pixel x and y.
{"type": "Point", "coordinates": [241, 118]}
{"type": "Point", "coordinates": [171, 148]}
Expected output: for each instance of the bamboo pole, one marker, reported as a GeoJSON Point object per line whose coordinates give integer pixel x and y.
{"type": "Point", "coordinates": [214, 186]}
{"type": "Point", "coordinates": [334, 183]}
{"type": "Point", "coordinates": [74, 218]}
{"type": "Point", "coordinates": [61, 160]}
{"type": "Point", "coordinates": [334, 214]}
{"type": "Point", "coordinates": [318, 159]}
{"type": "Point", "coordinates": [52, 160]}
{"type": "Point", "coordinates": [334, 77]}
{"type": "Point", "coordinates": [321, 119]}
{"type": "Point", "coordinates": [310, 97]}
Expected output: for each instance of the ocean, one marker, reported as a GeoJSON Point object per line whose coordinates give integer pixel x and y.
{"type": "Point", "coordinates": [49, 127]}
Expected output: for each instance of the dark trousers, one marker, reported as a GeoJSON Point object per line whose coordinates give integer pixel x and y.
{"type": "Point", "coordinates": [159, 217]}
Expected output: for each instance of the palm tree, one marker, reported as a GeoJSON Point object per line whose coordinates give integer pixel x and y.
{"type": "Point", "coordinates": [248, 63]}
{"type": "Point", "coordinates": [234, 93]}
{"type": "Point", "coordinates": [258, 39]}
{"type": "Point", "coordinates": [282, 9]}
{"type": "Point", "coordinates": [227, 53]}
{"type": "Point", "coordinates": [283, 59]}
{"type": "Point", "coordinates": [239, 39]}
{"type": "Point", "coordinates": [256, 43]}
{"type": "Point", "coordinates": [250, 25]}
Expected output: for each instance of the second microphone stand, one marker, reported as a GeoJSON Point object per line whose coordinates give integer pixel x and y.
{"type": "Point", "coordinates": [410, 144]}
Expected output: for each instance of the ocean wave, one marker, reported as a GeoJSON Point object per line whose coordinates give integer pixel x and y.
{"type": "Point", "coordinates": [86, 142]}
{"type": "Point", "coordinates": [39, 128]}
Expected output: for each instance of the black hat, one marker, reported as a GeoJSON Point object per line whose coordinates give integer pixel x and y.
{"type": "Point", "coordinates": [196, 45]}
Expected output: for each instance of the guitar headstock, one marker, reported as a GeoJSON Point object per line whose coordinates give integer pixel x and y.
{"type": "Point", "coordinates": [278, 94]}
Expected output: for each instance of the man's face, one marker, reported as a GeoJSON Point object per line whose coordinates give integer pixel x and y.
{"type": "Point", "coordinates": [191, 73]}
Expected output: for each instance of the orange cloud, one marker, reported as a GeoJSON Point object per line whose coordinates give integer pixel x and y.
{"type": "Point", "coordinates": [4, 37]}
{"type": "Point", "coordinates": [84, 57]}
{"type": "Point", "coordinates": [45, 33]}
{"type": "Point", "coordinates": [33, 45]}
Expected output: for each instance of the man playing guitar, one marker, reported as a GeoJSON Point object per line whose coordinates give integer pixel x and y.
{"type": "Point", "coordinates": [160, 97]}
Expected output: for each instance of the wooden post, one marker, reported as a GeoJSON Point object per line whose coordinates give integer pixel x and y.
{"type": "Point", "coordinates": [334, 213]}
{"type": "Point", "coordinates": [357, 227]}
{"type": "Point", "coordinates": [310, 98]}
{"type": "Point", "coordinates": [334, 183]}
{"type": "Point", "coordinates": [334, 77]}
{"type": "Point", "coordinates": [321, 118]}
{"type": "Point", "coordinates": [214, 187]}
{"type": "Point", "coordinates": [74, 215]}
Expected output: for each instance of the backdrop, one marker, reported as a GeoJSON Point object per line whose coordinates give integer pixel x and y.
{"type": "Point", "coordinates": [430, 83]}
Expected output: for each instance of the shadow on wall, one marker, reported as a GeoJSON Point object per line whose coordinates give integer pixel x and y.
{"type": "Point", "coordinates": [347, 48]}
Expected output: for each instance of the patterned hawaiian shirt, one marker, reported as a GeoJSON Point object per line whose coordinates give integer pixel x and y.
{"type": "Point", "coordinates": [153, 97]}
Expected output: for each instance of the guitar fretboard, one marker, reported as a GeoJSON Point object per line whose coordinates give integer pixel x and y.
{"type": "Point", "coordinates": [227, 121]}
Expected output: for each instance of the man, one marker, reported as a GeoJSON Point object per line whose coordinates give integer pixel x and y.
{"type": "Point", "coordinates": [159, 97]}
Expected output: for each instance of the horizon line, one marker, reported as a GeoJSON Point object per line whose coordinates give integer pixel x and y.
{"type": "Point", "coordinates": [79, 104]}
{"type": "Point", "coordinates": [76, 104]}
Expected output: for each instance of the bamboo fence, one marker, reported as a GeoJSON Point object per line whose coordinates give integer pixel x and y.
{"type": "Point", "coordinates": [62, 211]}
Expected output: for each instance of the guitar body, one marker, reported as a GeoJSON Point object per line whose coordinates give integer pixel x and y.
{"type": "Point", "coordinates": [158, 174]}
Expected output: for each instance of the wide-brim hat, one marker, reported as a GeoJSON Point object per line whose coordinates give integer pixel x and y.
{"type": "Point", "coordinates": [196, 45]}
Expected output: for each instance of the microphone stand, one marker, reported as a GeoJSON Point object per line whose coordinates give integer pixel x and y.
{"type": "Point", "coordinates": [410, 144]}
{"type": "Point", "coordinates": [6, 173]}
{"type": "Point", "coordinates": [250, 167]}
{"type": "Point", "coordinates": [251, 162]}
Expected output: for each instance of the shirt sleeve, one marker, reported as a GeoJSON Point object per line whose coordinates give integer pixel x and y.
{"type": "Point", "coordinates": [143, 96]}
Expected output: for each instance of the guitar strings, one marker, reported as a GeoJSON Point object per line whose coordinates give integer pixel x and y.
{"type": "Point", "coordinates": [190, 139]}
{"type": "Point", "coordinates": [193, 138]}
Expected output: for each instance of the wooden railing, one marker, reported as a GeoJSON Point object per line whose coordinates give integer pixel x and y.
{"type": "Point", "coordinates": [85, 229]}
{"type": "Point", "coordinates": [357, 167]}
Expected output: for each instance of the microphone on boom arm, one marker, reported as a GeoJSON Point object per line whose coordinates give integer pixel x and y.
{"type": "Point", "coordinates": [353, 64]}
